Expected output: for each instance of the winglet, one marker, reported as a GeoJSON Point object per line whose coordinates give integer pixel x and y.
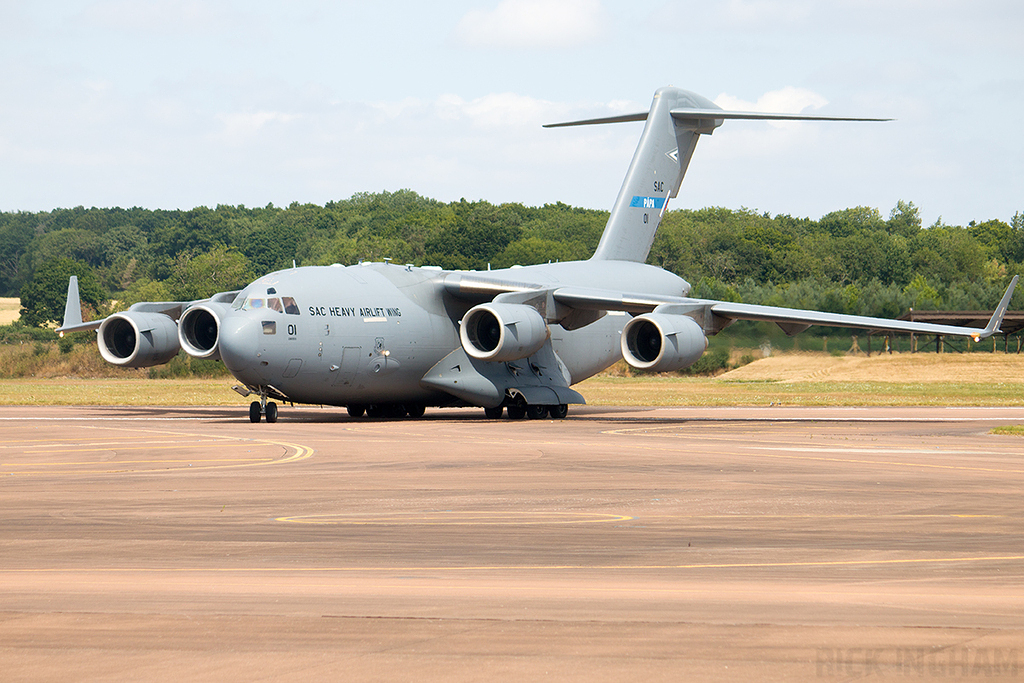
{"type": "Point", "coordinates": [73, 312]}
{"type": "Point", "coordinates": [997, 315]}
{"type": "Point", "coordinates": [73, 307]}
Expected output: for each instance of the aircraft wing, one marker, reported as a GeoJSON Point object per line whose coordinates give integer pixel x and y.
{"type": "Point", "coordinates": [713, 315]}
{"type": "Point", "coordinates": [716, 315]}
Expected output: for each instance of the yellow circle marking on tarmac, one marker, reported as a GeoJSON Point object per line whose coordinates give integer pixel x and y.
{"type": "Point", "coordinates": [292, 453]}
{"type": "Point", "coordinates": [458, 518]}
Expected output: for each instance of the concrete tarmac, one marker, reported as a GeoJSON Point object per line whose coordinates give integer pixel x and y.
{"type": "Point", "coordinates": [619, 544]}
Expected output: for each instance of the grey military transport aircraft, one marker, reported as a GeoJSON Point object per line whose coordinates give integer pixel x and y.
{"type": "Point", "coordinates": [388, 340]}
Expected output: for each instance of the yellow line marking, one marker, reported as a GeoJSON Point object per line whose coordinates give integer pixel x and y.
{"type": "Point", "coordinates": [180, 445]}
{"type": "Point", "coordinates": [131, 462]}
{"type": "Point", "coordinates": [106, 445]}
{"type": "Point", "coordinates": [459, 518]}
{"type": "Point", "coordinates": [515, 518]}
{"type": "Point", "coordinates": [802, 446]}
{"type": "Point", "coordinates": [895, 515]}
{"type": "Point", "coordinates": [553, 567]}
{"type": "Point", "coordinates": [297, 452]}
{"type": "Point", "coordinates": [879, 462]}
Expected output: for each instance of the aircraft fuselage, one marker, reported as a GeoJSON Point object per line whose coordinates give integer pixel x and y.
{"type": "Point", "coordinates": [367, 334]}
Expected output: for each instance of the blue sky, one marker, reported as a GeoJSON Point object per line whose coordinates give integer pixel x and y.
{"type": "Point", "coordinates": [181, 103]}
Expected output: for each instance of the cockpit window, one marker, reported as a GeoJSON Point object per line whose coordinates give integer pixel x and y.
{"type": "Point", "coordinates": [284, 304]}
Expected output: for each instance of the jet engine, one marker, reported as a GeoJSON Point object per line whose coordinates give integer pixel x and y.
{"type": "Point", "coordinates": [662, 343]}
{"type": "Point", "coordinates": [503, 332]}
{"type": "Point", "coordinates": [199, 330]}
{"type": "Point", "coordinates": [138, 340]}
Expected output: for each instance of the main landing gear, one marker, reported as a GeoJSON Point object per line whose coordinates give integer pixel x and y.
{"type": "Point", "coordinates": [519, 409]}
{"type": "Point", "coordinates": [257, 409]}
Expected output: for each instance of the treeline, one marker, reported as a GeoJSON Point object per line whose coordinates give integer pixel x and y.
{"type": "Point", "coordinates": [850, 261]}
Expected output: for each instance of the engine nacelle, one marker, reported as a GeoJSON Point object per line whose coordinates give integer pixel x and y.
{"type": "Point", "coordinates": [138, 340]}
{"type": "Point", "coordinates": [199, 330]}
{"type": "Point", "coordinates": [662, 343]}
{"type": "Point", "coordinates": [503, 332]}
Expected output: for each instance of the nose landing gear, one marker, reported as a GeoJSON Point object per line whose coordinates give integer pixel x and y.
{"type": "Point", "coordinates": [258, 409]}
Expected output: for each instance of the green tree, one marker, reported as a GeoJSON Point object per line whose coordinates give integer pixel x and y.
{"type": "Point", "coordinates": [922, 295]}
{"type": "Point", "coordinates": [203, 275]}
{"type": "Point", "coordinates": [143, 290]}
{"type": "Point", "coordinates": [43, 297]}
{"type": "Point", "coordinates": [904, 219]}
{"type": "Point", "coordinates": [81, 245]}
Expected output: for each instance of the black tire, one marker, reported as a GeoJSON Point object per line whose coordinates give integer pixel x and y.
{"type": "Point", "coordinates": [415, 410]}
{"type": "Point", "coordinates": [255, 412]}
{"type": "Point", "coordinates": [271, 412]}
{"type": "Point", "coordinates": [493, 413]}
{"type": "Point", "coordinates": [536, 412]}
{"type": "Point", "coordinates": [375, 410]}
{"type": "Point", "coordinates": [558, 412]}
{"type": "Point", "coordinates": [394, 410]}
{"type": "Point", "coordinates": [517, 411]}
{"type": "Point", "coordinates": [356, 410]}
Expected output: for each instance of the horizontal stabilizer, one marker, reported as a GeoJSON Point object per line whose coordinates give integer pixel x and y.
{"type": "Point", "coordinates": [713, 114]}
{"type": "Point", "coordinates": [759, 116]}
{"type": "Point", "coordinates": [623, 118]}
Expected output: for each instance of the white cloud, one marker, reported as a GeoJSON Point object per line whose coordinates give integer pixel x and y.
{"type": "Point", "coordinates": [240, 126]}
{"type": "Point", "coordinates": [776, 135]}
{"type": "Point", "coordinates": [497, 110]}
{"type": "Point", "coordinates": [788, 100]}
{"type": "Point", "coordinates": [534, 24]}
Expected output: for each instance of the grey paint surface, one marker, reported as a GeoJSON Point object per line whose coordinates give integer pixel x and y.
{"type": "Point", "coordinates": [379, 334]}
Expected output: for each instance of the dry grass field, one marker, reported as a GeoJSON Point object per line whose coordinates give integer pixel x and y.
{"type": "Point", "coordinates": [9, 310]}
{"type": "Point", "coordinates": [916, 367]}
{"type": "Point", "coordinates": [801, 379]}
{"type": "Point", "coordinates": [818, 379]}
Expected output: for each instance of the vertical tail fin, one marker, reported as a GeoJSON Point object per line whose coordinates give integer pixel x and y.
{"type": "Point", "coordinates": [675, 121]}
{"type": "Point", "coordinates": [655, 173]}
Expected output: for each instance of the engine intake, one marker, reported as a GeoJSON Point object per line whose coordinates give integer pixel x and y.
{"type": "Point", "coordinates": [503, 332]}
{"type": "Point", "coordinates": [199, 330]}
{"type": "Point", "coordinates": [662, 343]}
{"type": "Point", "coordinates": [138, 340]}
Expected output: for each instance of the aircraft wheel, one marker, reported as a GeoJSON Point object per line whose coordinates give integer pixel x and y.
{"type": "Point", "coordinates": [356, 410]}
{"type": "Point", "coordinates": [493, 413]}
{"type": "Point", "coordinates": [558, 412]}
{"type": "Point", "coordinates": [516, 411]}
{"type": "Point", "coordinates": [255, 412]}
{"type": "Point", "coordinates": [271, 412]}
{"type": "Point", "coordinates": [374, 410]}
{"type": "Point", "coordinates": [416, 409]}
{"type": "Point", "coordinates": [536, 412]}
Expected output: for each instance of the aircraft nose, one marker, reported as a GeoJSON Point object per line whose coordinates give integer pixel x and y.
{"type": "Point", "coordinates": [239, 343]}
